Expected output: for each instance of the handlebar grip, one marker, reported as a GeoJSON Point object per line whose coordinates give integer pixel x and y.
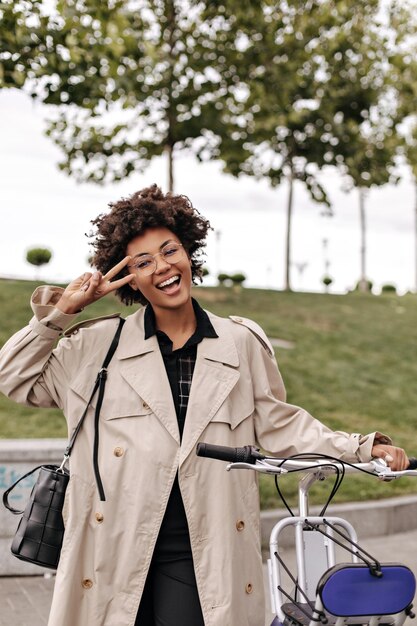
{"type": "Point", "coordinates": [246, 454]}
{"type": "Point", "coordinates": [413, 463]}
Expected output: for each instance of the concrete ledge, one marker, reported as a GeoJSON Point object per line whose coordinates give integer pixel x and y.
{"type": "Point", "coordinates": [42, 450]}
{"type": "Point", "coordinates": [370, 519]}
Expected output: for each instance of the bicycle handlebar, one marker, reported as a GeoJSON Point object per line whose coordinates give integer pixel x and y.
{"type": "Point", "coordinates": [247, 454]}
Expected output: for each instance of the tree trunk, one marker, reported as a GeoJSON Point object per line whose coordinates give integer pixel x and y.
{"type": "Point", "coordinates": [363, 282]}
{"type": "Point", "coordinates": [288, 234]}
{"type": "Point", "coordinates": [415, 235]}
{"type": "Point", "coordinates": [170, 150]}
{"type": "Point", "coordinates": [170, 142]}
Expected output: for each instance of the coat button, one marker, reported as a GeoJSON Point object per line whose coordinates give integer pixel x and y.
{"type": "Point", "coordinates": [240, 525]}
{"type": "Point", "coordinates": [99, 517]}
{"type": "Point", "coordinates": [145, 405]}
{"type": "Point", "coordinates": [118, 451]}
{"type": "Point", "coordinates": [87, 583]}
{"type": "Point", "coordinates": [249, 588]}
{"type": "Point", "coordinates": [238, 320]}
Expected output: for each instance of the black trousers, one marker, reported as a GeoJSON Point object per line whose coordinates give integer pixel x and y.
{"type": "Point", "coordinates": [170, 596]}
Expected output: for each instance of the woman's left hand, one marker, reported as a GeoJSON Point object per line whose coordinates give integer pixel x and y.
{"type": "Point", "coordinates": [90, 287]}
{"type": "Point", "coordinates": [396, 458]}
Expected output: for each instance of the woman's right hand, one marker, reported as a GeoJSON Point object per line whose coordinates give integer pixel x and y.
{"type": "Point", "coordinates": [90, 287]}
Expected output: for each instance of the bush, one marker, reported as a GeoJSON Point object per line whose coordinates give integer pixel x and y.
{"type": "Point", "coordinates": [38, 256]}
{"type": "Point", "coordinates": [388, 288]}
{"type": "Point", "coordinates": [238, 279]}
{"type": "Point", "coordinates": [327, 281]}
{"type": "Point", "coordinates": [223, 278]}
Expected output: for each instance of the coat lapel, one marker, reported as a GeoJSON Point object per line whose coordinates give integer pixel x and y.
{"type": "Point", "coordinates": [215, 375]}
{"type": "Point", "coordinates": [142, 366]}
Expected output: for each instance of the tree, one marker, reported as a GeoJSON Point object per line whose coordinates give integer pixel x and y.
{"type": "Point", "coordinates": [411, 155]}
{"type": "Point", "coordinates": [272, 130]}
{"type": "Point", "coordinates": [366, 137]}
{"type": "Point", "coordinates": [127, 81]}
{"type": "Point", "coordinates": [224, 279]}
{"type": "Point", "coordinates": [38, 256]}
{"type": "Point", "coordinates": [312, 71]}
{"type": "Point", "coordinates": [405, 74]}
{"type": "Point", "coordinates": [327, 281]}
{"type": "Point", "coordinates": [369, 161]}
{"type": "Point", "coordinates": [238, 280]}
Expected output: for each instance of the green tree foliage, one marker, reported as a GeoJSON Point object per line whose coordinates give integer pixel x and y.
{"type": "Point", "coordinates": [38, 256]}
{"type": "Point", "coordinates": [128, 79]}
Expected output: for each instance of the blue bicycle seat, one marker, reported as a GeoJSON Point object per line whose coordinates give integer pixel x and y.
{"type": "Point", "coordinates": [350, 589]}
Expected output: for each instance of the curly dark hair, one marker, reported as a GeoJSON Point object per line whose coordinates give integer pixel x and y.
{"type": "Point", "coordinates": [130, 217]}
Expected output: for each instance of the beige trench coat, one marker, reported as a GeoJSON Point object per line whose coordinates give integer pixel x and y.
{"type": "Point", "coordinates": [237, 398]}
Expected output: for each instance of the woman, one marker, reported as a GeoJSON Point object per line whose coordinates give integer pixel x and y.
{"type": "Point", "coordinates": [176, 539]}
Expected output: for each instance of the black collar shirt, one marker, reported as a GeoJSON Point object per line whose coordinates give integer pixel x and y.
{"type": "Point", "coordinates": [180, 363]}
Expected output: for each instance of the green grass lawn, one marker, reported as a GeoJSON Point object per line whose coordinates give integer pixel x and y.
{"type": "Point", "coordinates": [353, 364]}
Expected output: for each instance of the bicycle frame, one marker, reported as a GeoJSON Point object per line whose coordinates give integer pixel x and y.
{"type": "Point", "coordinates": [317, 539]}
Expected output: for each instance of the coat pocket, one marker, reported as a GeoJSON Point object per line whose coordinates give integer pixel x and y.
{"type": "Point", "coordinates": [228, 415]}
{"type": "Point", "coordinates": [236, 408]}
{"type": "Point", "coordinates": [119, 399]}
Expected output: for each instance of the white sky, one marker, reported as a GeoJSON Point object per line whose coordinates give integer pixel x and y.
{"type": "Point", "coordinates": [41, 206]}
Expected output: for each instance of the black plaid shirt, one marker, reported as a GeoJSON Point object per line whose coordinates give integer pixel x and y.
{"type": "Point", "coordinates": [179, 364]}
{"type": "Point", "coordinates": [173, 541]}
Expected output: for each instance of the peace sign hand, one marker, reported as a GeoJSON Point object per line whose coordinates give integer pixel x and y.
{"type": "Point", "coordinates": [90, 287]}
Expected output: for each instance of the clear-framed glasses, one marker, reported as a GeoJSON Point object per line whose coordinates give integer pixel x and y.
{"type": "Point", "coordinates": [145, 264]}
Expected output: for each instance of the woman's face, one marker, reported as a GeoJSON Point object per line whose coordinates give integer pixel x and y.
{"type": "Point", "coordinates": [169, 286]}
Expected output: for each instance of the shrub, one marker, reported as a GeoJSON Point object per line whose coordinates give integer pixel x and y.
{"type": "Point", "coordinates": [38, 256]}
{"type": "Point", "coordinates": [238, 279]}
{"type": "Point", "coordinates": [388, 288]}
{"type": "Point", "coordinates": [327, 281]}
{"type": "Point", "coordinates": [223, 278]}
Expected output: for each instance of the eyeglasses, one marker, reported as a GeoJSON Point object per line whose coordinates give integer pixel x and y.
{"type": "Point", "coordinates": [145, 264]}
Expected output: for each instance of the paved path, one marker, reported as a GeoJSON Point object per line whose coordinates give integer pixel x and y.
{"type": "Point", "coordinates": [25, 601]}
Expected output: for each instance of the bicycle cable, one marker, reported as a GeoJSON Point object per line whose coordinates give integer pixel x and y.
{"type": "Point", "coordinates": [340, 474]}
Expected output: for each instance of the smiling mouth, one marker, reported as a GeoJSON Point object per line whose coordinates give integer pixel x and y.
{"type": "Point", "coordinates": [166, 284]}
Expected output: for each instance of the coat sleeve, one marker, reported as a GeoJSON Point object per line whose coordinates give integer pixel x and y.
{"type": "Point", "coordinates": [283, 429]}
{"type": "Point", "coordinates": [30, 371]}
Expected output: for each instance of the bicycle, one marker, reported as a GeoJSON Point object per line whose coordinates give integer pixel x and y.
{"type": "Point", "coordinates": [324, 588]}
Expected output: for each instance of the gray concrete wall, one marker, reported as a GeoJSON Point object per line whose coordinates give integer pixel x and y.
{"type": "Point", "coordinates": [17, 457]}
{"type": "Point", "coordinates": [370, 519]}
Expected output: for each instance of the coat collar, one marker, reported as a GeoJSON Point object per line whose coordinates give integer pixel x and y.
{"type": "Point", "coordinates": [133, 342]}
